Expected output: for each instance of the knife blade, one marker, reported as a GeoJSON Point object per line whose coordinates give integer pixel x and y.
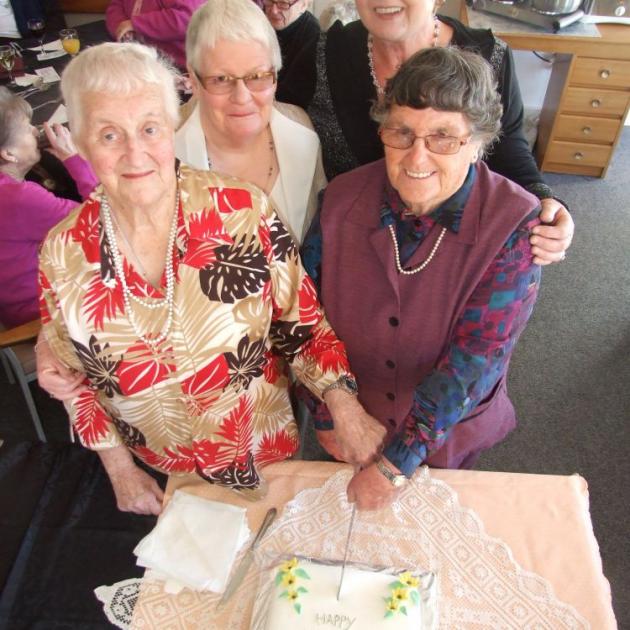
{"type": "Point", "coordinates": [248, 558]}
{"type": "Point", "coordinates": [345, 555]}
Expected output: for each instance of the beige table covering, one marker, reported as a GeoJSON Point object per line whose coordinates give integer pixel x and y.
{"type": "Point", "coordinates": [541, 524]}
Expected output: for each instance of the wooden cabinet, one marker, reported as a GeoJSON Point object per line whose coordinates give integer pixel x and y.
{"type": "Point", "coordinates": [587, 99]}
{"type": "Point", "coordinates": [580, 126]}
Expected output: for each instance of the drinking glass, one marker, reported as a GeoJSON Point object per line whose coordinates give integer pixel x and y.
{"type": "Point", "coordinates": [7, 61]}
{"type": "Point", "coordinates": [70, 41]}
{"type": "Point", "coordinates": [37, 28]}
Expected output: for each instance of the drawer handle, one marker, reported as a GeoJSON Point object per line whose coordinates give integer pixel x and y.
{"type": "Point", "coordinates": [578, 155]}
{"type": "Point", "coordinates": [604, 74]}
{"type": "Point", "coordinates": [587, 130]}
{"type": "Point", "coordinates": [595, 103]}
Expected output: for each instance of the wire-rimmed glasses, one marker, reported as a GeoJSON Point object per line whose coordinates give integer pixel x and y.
{"type": "Point", "coordinates": [225, 83]}
{"type": "Point", "coordinates": [404, 138]}
{"type": "Point", "coordinates": [283, 5]}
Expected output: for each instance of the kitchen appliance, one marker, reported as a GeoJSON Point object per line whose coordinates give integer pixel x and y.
{"type": "Point", "coordinates": [557, 14]}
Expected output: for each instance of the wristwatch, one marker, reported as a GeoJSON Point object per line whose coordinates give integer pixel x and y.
{"type": "Point", "coordinates": [396, 480]}
{"type": "Point", "coordinates": [345, 383]}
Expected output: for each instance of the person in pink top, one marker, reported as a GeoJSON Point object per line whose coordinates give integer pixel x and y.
{"type": "Point", "coordinates": [158, 23]}
{"type": "Point", "coordinates": [28, 210]}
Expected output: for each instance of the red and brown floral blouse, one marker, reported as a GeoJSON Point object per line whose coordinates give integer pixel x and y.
{"type": "Point", "coordinates": [212, 398]}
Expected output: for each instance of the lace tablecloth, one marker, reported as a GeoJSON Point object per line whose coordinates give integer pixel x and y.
{"type": "Point", "coordinates": [481, 584]}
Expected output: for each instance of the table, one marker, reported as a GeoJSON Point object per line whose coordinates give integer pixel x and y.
{"type": "Point", "coordinates": [89, 34]}
{"type": "Point", "coordinates": [588, 97]}
{"type": "Point", "coordinates": [543, 519]}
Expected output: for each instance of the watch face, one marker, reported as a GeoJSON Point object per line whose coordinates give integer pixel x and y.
{"type": "Point", "coordinates": [351, 384]}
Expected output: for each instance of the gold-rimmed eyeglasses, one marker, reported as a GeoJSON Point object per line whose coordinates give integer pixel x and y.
{"type": "Point", "coordinates": [283, 5]}
{"type": "Point", "coordinates": [404, 138]}
{"type": "Point", "coordinates": [225, 83]}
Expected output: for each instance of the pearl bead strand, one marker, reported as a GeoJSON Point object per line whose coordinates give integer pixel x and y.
{"type": "Point", "coordinates": [128, 296]}
{"type": "Point", "coordinates": [422, 265]}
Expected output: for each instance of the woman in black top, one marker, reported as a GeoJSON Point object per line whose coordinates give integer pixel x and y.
{"type": "Point", "coordinates": [347, 67]}
{"type": "Point", "coordinates": [298, 31]}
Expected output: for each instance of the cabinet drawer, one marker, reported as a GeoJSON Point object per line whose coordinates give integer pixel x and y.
{"type": "Point", "coordinates": [584, 129]}
{"type": "Point", "coordinates": [601, 72]}
{"type": "Point", "coordinates": [595, 102]}
{"type": "Point", "coordinates": [578, 154]}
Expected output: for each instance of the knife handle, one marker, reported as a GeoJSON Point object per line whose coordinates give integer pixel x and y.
{"type": "Point", "coordinates": [269, 517]}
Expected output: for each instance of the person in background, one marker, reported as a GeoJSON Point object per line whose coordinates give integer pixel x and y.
{"type": "Point", "coordinates": [348, 68]}
{"type": "Point", "coordinates": [176, 292]}
{"type": "Point", "coordinates": [234, 125]}
{"type": "Point", "coordinates": [297, 30]}
{"type": "Point", "coordinates": [159, 23]}
{"type": "Point", "coordinates": [28, 210]}
{"type": "Point", "coordinates": [427, 275]}
{"type": "Point", "coordinates": [15, 14]}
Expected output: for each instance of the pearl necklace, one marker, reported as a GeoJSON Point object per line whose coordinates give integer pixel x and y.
{"type": "Point", "coordinates": [380, 90]}
{"type": "Point", "coordinates": [422, 265]}
{"type": "Point", "coordinates": [128, 296]}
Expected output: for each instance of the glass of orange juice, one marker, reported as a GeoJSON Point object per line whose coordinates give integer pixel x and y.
{"type": "Point", "coordinates": [70, 41]}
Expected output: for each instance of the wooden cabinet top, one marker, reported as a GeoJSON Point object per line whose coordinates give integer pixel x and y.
{"type": "Point", "coordinates": [614, 42]}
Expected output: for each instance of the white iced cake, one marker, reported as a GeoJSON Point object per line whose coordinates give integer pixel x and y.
{"type": "Point", "coordinates": [304, 597]}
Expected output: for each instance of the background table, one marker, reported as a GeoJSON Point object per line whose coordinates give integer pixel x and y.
{"type": "Point", "coordinates": [543, 519]}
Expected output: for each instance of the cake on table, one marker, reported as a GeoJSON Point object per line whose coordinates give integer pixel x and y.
{"type": "Point", "coordinates": [304, 597]}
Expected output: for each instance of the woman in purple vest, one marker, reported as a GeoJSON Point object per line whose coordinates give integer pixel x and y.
{"type": "Point", "coordinates": [426, 273]}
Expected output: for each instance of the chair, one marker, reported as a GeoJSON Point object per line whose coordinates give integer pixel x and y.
{"type": "Point", "coordinates": [17, 353]}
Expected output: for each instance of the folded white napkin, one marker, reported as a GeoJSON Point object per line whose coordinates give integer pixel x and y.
{"type": "Point", "coordinates": [195, 542]}
{"type": "Point", "coordinates": [50, 46]}
{"type": "Point", "coordinates": [26, 80]}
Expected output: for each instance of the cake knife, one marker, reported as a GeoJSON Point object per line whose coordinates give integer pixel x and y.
{"type": "Point", "coordinates": [248, 558]}
{"type": "Point", "coordinates": [345, 555]}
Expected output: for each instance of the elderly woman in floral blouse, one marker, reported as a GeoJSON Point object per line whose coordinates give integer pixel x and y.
{"type": "Point", "coordinates": [176, 291]}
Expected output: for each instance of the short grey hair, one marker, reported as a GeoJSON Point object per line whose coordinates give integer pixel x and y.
{"type": "Point", "coordinates": [451, 80]}
{"type": "Point", "coordinates": [13, 109]}
{"type": "Point", "coordinates": [117, 69]}
{"type": "Point", "coordinates": [233, 20]}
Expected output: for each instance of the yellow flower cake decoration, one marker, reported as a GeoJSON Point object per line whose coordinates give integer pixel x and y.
{"type": "Point", "coordinates": [288, 577]}
{"type": "Point", "coordinates": [404, 591]}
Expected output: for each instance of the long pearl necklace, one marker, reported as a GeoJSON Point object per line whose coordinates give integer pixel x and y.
{"type": "Point", "coordinates": [380, 90]}
{"type": "Point", "coordinates": [128, 296]}
{"type": "Point", "coordinates": [422, 265]}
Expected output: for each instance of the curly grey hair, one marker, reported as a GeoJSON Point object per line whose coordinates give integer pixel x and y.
{"type": "Point", "coordinates": [13, 109]}
{"type": "Point", "coordinates": [451, 80]}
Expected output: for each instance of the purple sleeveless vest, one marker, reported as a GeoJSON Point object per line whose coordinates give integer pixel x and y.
{"type": "Point", "coordinates": [395, 327]}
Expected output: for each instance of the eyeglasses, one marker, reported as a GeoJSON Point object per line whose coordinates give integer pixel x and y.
{"type": "Point", "coordinates": [283, 5]}
{"type": "Point", "coordinates": [402, 138]}
{"type": "Point", "coordinates": [224, 83]}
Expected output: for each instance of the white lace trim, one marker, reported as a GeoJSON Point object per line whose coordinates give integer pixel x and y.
{"type": "Point", "coordinates": [481, 585]}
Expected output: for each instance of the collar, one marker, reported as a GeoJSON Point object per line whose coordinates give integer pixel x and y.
{"type": "Point", "coordinates": [448, 214]}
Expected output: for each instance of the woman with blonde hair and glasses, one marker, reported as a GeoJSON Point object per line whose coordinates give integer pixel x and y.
{"type": "Point", "coordinates": [235, 126]}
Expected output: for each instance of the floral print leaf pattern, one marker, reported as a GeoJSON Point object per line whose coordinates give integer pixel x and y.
{"type": "Point", "coordinates": [247, 363]}
{"type": "Point", "coordinates": [140, 368]}
{"type": "Point", "coordinates": [90, 420]}
{"type": "Point", "coordinates": [309, 304]}
{"type": "Point", "coordinates": [205, 385]}
{"type": "Point", "coordinates": [86, 231]}
{"type": "Point", "coordinates": [238, 271]}
{"type": "Point", "coordinates": [170, 462]}
{"type": "Point", "coordinates": [282, 243]}
{"type": "Point", "coordinates": [276, 447]}
{"type": "Point", "coordinates": [288, 337]}
{"type": "Point", "coordinates": [327, 350]}
{"type": "Point", "coordinates": [102, 301]}
{"type": "Point", "coordinates": [228, 200]}
{"type": "Point", "coordinates": [131, 436]}
{"type": "Point", "coordinates": [236, 430]}
{"type": "Point", "coordinates": [237, 477]}
{"type": "Point", "coordinates": [99, 366]}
